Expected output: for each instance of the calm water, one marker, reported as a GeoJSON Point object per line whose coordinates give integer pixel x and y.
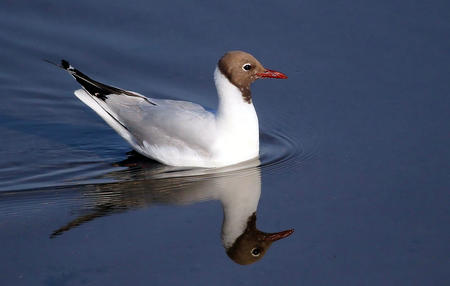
{"type": "Point", "coordinates": [354, 152]}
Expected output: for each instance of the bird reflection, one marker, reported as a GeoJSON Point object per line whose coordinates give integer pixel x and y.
{"type": "Point", "coordinates": [145, 183]}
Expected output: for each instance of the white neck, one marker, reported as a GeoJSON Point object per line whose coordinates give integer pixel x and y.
{"type": "Point", "coordinates": [237, 123]}
{"type": "Point", "coordinates": [231, 100]}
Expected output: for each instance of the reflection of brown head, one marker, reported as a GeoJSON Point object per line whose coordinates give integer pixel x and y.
{"type": "Point", "coordinates": [251, 246]}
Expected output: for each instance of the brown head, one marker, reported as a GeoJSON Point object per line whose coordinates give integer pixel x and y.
{"type": "Point", "coordinates": [251, 246]}
{"type": "Point", "coordinates": [242, 69]}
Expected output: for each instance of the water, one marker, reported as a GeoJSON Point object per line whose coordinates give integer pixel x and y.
{"type": "Point", "coordinates": [354, 144]}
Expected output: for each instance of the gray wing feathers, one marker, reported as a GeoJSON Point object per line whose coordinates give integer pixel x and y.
{"type": "Point", "coordinates": [168, 122]}
{"type": "Point", "coordinates": [146, 121]}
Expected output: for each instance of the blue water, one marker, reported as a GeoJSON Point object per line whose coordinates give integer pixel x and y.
{"type": "Point", "coordinates": [354, 145]}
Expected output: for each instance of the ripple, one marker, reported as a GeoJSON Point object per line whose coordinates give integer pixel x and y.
{"type": "Point", "coordinates": [276, 148]}
{"type": "Point", "coordinates": [277, 152]}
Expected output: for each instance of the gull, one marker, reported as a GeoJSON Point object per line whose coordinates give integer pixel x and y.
{"type": "Point", "coordinates": [182, 133]}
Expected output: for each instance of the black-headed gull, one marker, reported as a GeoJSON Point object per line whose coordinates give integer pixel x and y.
{"type": "Point", "coordinates": [181, 133]}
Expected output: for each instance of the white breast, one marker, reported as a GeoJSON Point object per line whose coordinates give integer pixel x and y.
{"type": "Point", "coordinates": [237, 136]}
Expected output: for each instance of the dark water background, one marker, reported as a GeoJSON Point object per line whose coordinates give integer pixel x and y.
{"type": "Point", "coordinates": [355, 145]}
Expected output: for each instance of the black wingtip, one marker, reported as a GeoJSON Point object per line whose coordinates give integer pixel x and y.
{"type": "Point", "coordinates": [65, 64]}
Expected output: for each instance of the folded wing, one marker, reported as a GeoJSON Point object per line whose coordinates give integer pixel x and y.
{"type": "Point", "coordinates": [160, 129]}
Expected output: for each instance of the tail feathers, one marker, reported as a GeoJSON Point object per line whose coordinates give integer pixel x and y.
{"type": "Point", "coordinates": [105, 112]}
{"type": "Point", "coordinates": [93, 87]}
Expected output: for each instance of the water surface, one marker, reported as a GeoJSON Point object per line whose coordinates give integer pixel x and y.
{"type": "Point", "coordinates": [354, 145]}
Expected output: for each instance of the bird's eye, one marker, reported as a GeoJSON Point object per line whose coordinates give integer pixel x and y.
{"type": "Point", "coordinates": [247, 67]}
{"type": "Point", "coordinates": [256, 251]}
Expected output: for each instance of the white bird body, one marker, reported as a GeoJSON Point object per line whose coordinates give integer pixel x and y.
{"type": "Point", "coordinates": [181, 133]}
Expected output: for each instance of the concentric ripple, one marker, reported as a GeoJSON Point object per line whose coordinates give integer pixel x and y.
{"type": "Point", "coordinates": [276, 150]}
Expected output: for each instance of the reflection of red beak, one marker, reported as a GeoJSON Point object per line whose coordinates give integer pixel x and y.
{"type": "Point", "coordinates": [272, 74]}
{"type": "Point", "coordinates": [278, 235]}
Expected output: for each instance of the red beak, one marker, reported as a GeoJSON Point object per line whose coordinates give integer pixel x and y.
{"type": "Point", "coordinates": [278, 235]}
{"type": "Point", "coordinates": [272, 74]}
